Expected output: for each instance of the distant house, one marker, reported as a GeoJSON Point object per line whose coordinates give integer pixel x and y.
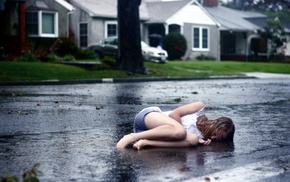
{"type": "Point", "coordinates": [238, 35]}
{"type": "Point", "coordinates": [263, 22]}
{"type": "Point", "coordinates": [242, 33]}
{"type": "Point", "coordinates": [209, 28]}
{"type": "Point", "coordinates": [95, 20]}
{"type": "Point", "coordinates": [189, 18]}
{"type": "Point", "coordinates": [36, 20]}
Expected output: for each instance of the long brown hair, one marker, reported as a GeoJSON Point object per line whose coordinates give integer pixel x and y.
{"type": "Point", "coordinates": [222, 128]}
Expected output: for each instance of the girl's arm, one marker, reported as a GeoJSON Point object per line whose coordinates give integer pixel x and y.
{"type": "Point", "coordinates": [190, 140]}
{"type": "Point", "coordinates": [177, 113]}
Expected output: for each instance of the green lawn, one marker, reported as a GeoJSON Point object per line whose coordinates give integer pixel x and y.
{"type": "Point", "coordinates": [26, 71]}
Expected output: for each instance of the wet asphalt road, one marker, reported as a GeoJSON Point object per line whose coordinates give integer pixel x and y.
{"type": "Point", "coordinates": [71, 130]}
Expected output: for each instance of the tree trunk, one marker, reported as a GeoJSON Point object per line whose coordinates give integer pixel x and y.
{"type": "Point", "coordinates": [130, 56]}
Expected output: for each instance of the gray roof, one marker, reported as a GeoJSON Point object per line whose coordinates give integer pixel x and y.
{"type": "Point", "coordinates": [161, 11]}
{"type": "Point", "coordinates": [234, 19]}
{"type": "Point", "coordinates": [105, 8]}
{"type": "Point", "coordinates": [263, 22]}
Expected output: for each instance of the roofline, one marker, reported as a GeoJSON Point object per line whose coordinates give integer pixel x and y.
{"type": "Point", "coordinates": [207, 13]}
{"type": "Point", "coordinates": [65, 4]}
{"type": "Point", "coordinates": [180, 9]}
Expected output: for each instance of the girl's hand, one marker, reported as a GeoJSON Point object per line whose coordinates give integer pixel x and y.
{"type": "Point", "coordinates": [204, 142]}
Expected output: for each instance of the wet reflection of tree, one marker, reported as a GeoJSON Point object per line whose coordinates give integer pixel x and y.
{"type": "Point", "coordinates": [128, 103]}
{"type": "Point", "coordinates": [122, 166]}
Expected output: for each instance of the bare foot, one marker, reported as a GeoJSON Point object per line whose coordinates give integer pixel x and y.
{"type": "Point", "coordinates": [126, 140]}
{"type": "Point", "coordinates": [140, 144]}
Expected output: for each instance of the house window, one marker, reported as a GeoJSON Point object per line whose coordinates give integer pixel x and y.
{"type": "Point", "coordinates": [42, 23]}
{"type": "Point", "coordinates": [32, 23]}
{"type": "Point", "coordinates": [200, 39]}
{"type": "Point", "coordinates": [83, 34]}
{"type": "Point", "coordinates": [47, 23]}
{"type": "Point", "coordinates": [111, 29]}
{"type": "Point", "coordinates": [174, 28]}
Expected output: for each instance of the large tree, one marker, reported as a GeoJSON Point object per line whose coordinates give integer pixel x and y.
{"type": "Point", "coordinates": [262, 5]}
{"type": "Point", "coordinates": [130, 56]}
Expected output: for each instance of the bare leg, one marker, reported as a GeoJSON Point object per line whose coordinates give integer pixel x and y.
{"type": "Point", "coordinates": [191, 140]}
{"type": "Point", "coordinates": [160, 127]}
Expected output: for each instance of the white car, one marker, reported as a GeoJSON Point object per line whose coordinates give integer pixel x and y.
{"type": "Point", "coordinates": [109, 47]}
{"type": "Point", "coordinates": [156, 54]}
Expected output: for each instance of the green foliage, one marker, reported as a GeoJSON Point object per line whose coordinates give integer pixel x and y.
{"type": "Point", "coordinates": [27, 57]}
{"type": "Point", "coordinates": [284, 14]}
{"type": "Point", "coordinates": [2, 53]}
{"type": "Point", "coordinates": [275, 32]}
{"type": "Point", "coordinates": [203, 57]}
{"type": "Point", "coordinates": [277, 57]}
{"type": "Point", "coordinates": [30, 175]}
{"type": "Point", "coordinates": [69, 58]}
{"type": "Point", "coordinates": [109, 61]}
{"type": "Point", "coordinates": [85, 54]}
{"type": "Point", "coordinates": [175, 44]}
{"type": "Point", "coordinates": [66, 46]}
{"type": "Point", "coordinates": [53, 58]}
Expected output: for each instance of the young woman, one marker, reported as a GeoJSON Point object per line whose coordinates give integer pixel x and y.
{"type": "Point", "coordinates": [182, 127]}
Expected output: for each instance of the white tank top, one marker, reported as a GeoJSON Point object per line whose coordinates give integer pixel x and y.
{"type": "Point", "coordinates": [189, 121]}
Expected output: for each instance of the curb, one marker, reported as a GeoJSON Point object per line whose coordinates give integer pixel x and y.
{"type": "Point", "coordinates": [119, 80]}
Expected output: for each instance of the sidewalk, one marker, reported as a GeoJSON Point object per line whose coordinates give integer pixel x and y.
{"type": "Point", "coordinates": [267, 75]}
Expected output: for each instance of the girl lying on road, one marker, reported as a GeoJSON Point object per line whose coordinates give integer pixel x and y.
{"type": "Point", "coordinates": [182, 127]}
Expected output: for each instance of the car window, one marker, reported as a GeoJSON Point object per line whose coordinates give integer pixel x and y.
{"type": "Point", "coordinates": [110, 41]}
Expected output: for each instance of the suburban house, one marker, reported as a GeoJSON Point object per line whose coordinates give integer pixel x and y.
{"type": "Point", "coordinates": [210, 28]}
{"type": "Point", "coordinates": [36, 20]}
{"type": "Point", "coordinates": [239, 37]}
{"type": "Point", "coordinates": [95, 20]}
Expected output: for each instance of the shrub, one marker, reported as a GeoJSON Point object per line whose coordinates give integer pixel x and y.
{"type": "Point", "coordinates": [109, 61]}
{"type": "Point", "coordinates": [204, 57]}
{"type": "Point", "coordinates": [66, 46]}
{"type": "Point", "coordinates": [27, 57]}
{"type": "Point", "coordinates": [277, 57]}
{"type": "Point", "coordinates": [68, 58]}
{"type": "Point", "coordinates": [85, 54]}
{"type": "Point", "coordinates": [30, 175]}
{"type": "Point", "coordinates": [175, 44]}
{"type": "Point", "coordinates": [2, 53]}
{"type": "Point", "coordinates": [53, 58]}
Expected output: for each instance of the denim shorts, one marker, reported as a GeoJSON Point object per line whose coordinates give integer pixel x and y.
{"type": "Point", "coordinates": [139, 123]}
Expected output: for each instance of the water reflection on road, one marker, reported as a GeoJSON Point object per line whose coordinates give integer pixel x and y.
{"type": "Point", "coordinates": [72, 130]}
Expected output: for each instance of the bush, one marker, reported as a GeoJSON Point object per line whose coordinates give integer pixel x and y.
{"type": "Point", "coordinates": [68, 58]}
{"type": "Point", "coordinates": [2, 53]}
{"type": "Point", "coordinates": [27, 57]}
{"type": "Point", "coordinates": [66, 46]}
{"type": "Point", "coordinates": [109, 61]}
{"type": "Point", "coordinates": [30, 175]}
{"type": "Point", "coordinates": [204, 57]}
{"type": "Point", "coordinates": [277, 57]}
{"type": "Point", "coordinates": [175, 44]}
{"type": "Point", "coordinates": [53, 58]}
{"type": "Point", "coordinates": [85, 54]}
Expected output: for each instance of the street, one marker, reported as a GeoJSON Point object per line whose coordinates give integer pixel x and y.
{"type": "Point", "coordinates": [72, 130]}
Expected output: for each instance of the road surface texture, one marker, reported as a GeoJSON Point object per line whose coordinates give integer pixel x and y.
{"type": "Point", "coordinates": [72, 130]}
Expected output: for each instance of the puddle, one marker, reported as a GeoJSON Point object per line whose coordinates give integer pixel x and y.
{"type": "Point", "coordinates": [73, 131]}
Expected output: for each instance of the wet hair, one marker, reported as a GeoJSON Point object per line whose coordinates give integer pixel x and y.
{"type": "Point", "coordinates": [223, 128]}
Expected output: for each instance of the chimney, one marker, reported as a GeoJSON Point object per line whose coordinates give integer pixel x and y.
{"type": "Point", "coordinates": [210, 3]}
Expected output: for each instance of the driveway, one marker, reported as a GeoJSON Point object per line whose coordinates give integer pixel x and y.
{"type": "Point", "coordinates": [71, 130]}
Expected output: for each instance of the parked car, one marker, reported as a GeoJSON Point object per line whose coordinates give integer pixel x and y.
{"type": "Point", "coordinates": [109, 47]}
